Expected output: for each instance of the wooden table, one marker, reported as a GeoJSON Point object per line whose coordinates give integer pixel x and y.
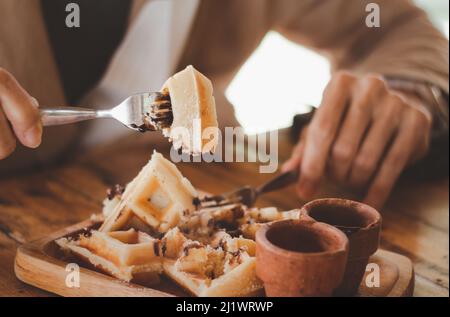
{"type": "Point", "coordinates": [415, 221]}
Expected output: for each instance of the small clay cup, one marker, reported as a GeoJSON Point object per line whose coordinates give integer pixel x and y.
{"type": "Point", "coordinates": [296, 258]}
{"type": "Point", "coordinates": [362, 225]}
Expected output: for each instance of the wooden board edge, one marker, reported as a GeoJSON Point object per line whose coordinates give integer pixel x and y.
{"type": "Point", "coordinates": [47, 273]}
{"type": "Point", "coordinates": [404, 287]}
{"type": "Point", "coordinates": [34, 267]}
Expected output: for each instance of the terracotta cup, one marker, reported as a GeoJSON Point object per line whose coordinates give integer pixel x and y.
{"type": "Point", "coordinates": [362, 225]}
{"type": "Point", "coordinates": [300, 258]}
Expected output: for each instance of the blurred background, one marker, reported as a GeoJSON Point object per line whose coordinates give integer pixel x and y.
{"type": "Point", "coordinates": [304, 74]}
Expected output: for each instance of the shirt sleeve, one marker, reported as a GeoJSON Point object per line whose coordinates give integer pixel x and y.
{"type": "Point", "coordinates": [405, 45]}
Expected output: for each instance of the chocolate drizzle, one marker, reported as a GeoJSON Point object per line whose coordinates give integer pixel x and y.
{"type": "Point", "coordinates": [114, 191]}
{"type": "Point", "coordinates": [238, 212]}
{"type": "Point", "coordinates": [159, 115]}
{"type": "Point", "coordinates": [156, 248]}
{"type": "Point", "coordinates": [236, 257]}
{"type": "Point", "coordinates": [85, 232]}
{"type": "Point", "coordinates": [223, 244]}
{"type": "Point", "coordinates": [193, 245]}
{"type": "Point", "coordinates": [164, 247]}
{"type": "Point", "coordinates": [196, 202]}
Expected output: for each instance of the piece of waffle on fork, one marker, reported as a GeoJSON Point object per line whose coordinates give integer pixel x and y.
{"type": "Point", "coordinates": [193, 127]}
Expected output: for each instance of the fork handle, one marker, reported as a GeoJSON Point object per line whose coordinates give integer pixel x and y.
{"type": "Point", "coordinates": [279, 182]}
{"type": "Point", "coordinates": [66, 115]}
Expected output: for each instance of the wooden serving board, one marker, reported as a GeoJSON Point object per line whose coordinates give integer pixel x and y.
{"type": "Point", "coordinates": [41, 264]}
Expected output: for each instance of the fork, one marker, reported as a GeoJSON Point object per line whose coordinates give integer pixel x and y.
{"type": "Point", "coordinates": [140, 112]}
{"type": "Point", "coordinates": [248, 195]}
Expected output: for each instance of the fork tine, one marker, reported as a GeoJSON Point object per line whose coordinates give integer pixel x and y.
{"type": "Point", "coordinates": [144, 112]}
{"type": "Point", "coordinates": [216, 201]}
{"type": "Point", "coordinates": [244, 195]}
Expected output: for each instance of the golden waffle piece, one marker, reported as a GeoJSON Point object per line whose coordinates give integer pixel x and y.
{"type": "Point", "coordinates": [127, 255]}
{"type": "Point", "coordinates": [225, 267]}
{"type": "Point", "coordinates": [194, 112]}
{"type": "Point", "coordinates": [158, 196]}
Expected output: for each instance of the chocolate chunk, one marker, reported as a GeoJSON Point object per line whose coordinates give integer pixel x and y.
{"type": "Point", "coordinates": [238, 212]}
{"type": "Point", "coordinates": [114, 191]}
{"type": "Point", "coordinates": [211, 222]}
{"type": "Point", "coordinates": [223, 244]}
{"type": "Point", "coordinates": [196, 202]}
{"type": "Point", "coordinates": [234, 233]}
{"type": "Point", "coordinates": [160, 115]}
{"type": "Point", "coordinates": [193, 245]}
{"type": "Point", "coordinates": [236, 257]}
{"type": "Point", "coordinates": [228, 226]}
{"type": "Point", "coordinates": [156, 248]}
{"type": "Point", "coordinates": [86, 232]}
{"type": "Point", "coordinates": [164, 247]}
{"type": "Point", "coordinates": [159, 96]}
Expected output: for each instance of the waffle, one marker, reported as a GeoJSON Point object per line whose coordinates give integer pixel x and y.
{"type": "Point", "coordinates": [212, 251]}
{"type": "Point", "coordinates": [193, 110]}
{"type": "Point", "coordinates": [158, 196]}
{"type": "Point", "coordinates": [127, 255]}
{"type": "Point", "coordinates": [152, 227]}
{"type": "Point", "coordinates": [225, 267]}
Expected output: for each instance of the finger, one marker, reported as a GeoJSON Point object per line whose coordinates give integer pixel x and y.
{"type": "Point", "coordinates": [20, 110]}
{"type": "Point", "coordinates": [321, 133]}
{"type": "Point", "coordinates": [394, 163]}
{"type": "Point", "coordinates": [295, 159]}
{"type": "Point", "coordinates": [423, 122]}
{"type": "Point", "coordinates": [421, 118]}
{"type": "Point", "coordinates": [366, 96]}
{"type": "Point", "coordinates": [7, 139]}
{"type": "Point", "coordinates": [374, 146]}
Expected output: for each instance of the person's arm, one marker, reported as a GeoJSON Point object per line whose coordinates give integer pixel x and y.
{"type": "Point", "coordinates": [366, 132]}
{"type": "Point", "coordinates": [406, 45]}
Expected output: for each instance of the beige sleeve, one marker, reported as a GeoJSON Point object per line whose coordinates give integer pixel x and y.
{"type": "Point", "coordinates": [406, 45]}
